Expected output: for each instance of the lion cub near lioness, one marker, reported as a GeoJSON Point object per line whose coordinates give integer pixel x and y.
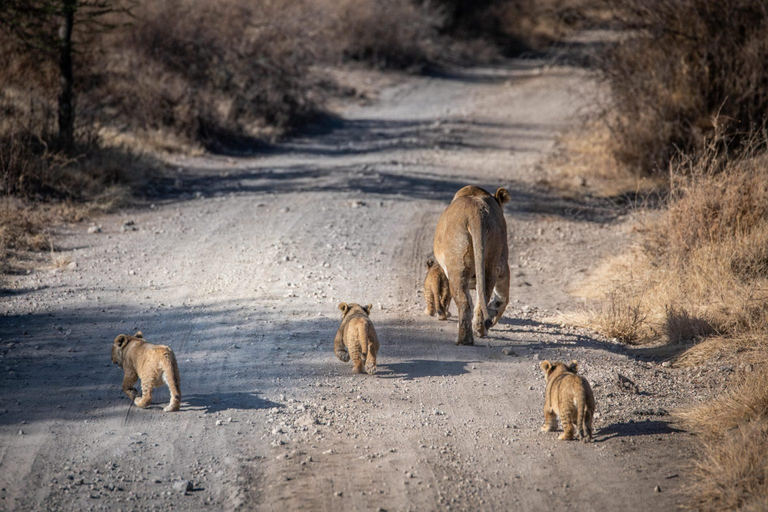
{"type": "Point", "coordinates": [437, 291]}
{"type": "Point", "coordinates": [356, 338]}
{"type": "Point", "coordinates": [569, 396]}
{"type": "Point", "coordinates": [155, 365]}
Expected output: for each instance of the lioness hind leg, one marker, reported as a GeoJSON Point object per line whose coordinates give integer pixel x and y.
{"type": "Point", "coordinates": [460, 294]}
{"type": "Point", "coordinates": [482, 324]}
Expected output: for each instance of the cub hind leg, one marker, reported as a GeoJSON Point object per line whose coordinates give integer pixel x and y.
{"type": "Point", "coordinates": [550, 421]}
{"type": "Point", "coordinates": [144, 400]}
{"type": "Point", "coordinates": [171, 378]}
{"type": "Point", "coordinates": [568, 417]}
{"type": "Point", "coordinates": [373, 349]}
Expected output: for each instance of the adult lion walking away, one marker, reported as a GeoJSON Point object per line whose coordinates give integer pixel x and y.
{"type": "Point", "coordinates": [471, 245]}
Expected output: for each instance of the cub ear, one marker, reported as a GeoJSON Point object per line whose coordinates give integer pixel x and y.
{"type": "Point", "coordinates": [139, 334]}
{"type": "Point", "coordinates": [343, 307]}
{"type": "Point", "coordinates": [546, 366]}
{"type": "Point", "coordinates": [430, 262]}
{"type": "Point", "coordinates": [368, 308]}
{"type": "Point", "coordinates": [502, 196]}
{"type": "Point", "coordinates": [574, 366]}
{"type": "Point", "coordinates": [121, 340]}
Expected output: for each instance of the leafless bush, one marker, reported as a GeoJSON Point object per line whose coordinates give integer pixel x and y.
{"type": "Point", "coordinates": [686, 69]}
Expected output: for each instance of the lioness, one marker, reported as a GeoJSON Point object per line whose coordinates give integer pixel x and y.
{"type": "Point", "coordinates": [437, 291]}
{"type": "Point", "coordinates": [356, 337]}
{"type": "Point", "coordinates": [153, 364]}
{"type": "Point", "coordinates": [471, 245]}
{"type": "Point", "coordinates": [569, 396]}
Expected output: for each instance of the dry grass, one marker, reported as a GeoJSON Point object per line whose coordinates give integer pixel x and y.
{"type": "Point", "coordinates": [744, 402]}
{"type": "Point", "coordinates": [686, 69]}
{"type": "Point", "coordinates": [618, 317]}
{"type": "Point", "coordinates": [700, 269]}
{"type": "Point", "coordinates": [699, 277]}
{"type": "Point", "coordinates": [733, 473]}
{"type": "Point", "coordinates": [584, 162]}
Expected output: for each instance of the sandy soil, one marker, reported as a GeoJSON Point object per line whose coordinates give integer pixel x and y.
{"type": "Point", "coordinates": [240, 269]}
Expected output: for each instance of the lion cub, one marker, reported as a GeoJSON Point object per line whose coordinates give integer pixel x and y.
{"type": "Point", "coordinates": [437, 292]}
{"type": "Point", "coordinates": [356, 338]}
{"type": "Point", "coordinates": [569, 396]}
{"type": "Point", "coordinates": [155, 365]}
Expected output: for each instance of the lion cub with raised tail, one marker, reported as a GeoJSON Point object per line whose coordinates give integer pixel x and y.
{"type": "Point", "coordinates": [356, 338]}
{"type": "Point", "coordinates": [155, 365]}
{"type": "Point", "coordinates": [437, 291]}
{"type": "Point", "coordinates": [569, 396]}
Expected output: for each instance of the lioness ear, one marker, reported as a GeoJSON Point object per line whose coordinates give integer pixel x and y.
{"type": "Point", "coordinates": [545, 366]}
{"type": "Point", "coordinates": [430, 262]}
{"type": "Point", "coordinates": [138, 334]}
{"type": "Point", "coordinates": [502, 196]}
{"type": "Point", "coordinates": [343, 307]}
{"type": "Point", "coordinates": [574, 366]}
{"type": "Point", "coordinates": [121, 340]}
{"type": "Point", "coordinates": [368, 308]}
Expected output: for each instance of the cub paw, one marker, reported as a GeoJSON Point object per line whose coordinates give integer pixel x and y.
{"type": "Point", "coordinates": [429, 312]}
{"type": "Point", "coordinates": [343, 355]}
{"type": "Point", "coordinates": [565, 436]}
{"type": "Point", "coordinates": [371, 369]}
{"type": "Point", "coordinates": [171, 407]}
{"type": "Point", "coordinates": [138, 402]}
{"type": "Point", "coordinates": [547, 428]}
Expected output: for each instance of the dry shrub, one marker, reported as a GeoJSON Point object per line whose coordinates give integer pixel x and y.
{"type": "Point", "coordinates": [217, 70]}
{"type": "Point", "coordinates": [733, 473]}
{"type": "Point", "coordinates": [583, 161]}
{"type": "Point", "coordinates": [681, 326]}
{"type": "Point", "coordinates": [518, 25]}
{"type": "Point", "coordinates": [683, 64]}
{"type": "Point", "coordinates": [619, 318]}
{"type": "Point", "coordinates": [700, 269]}
{"type": "Point", "coordinates": [744, 402]}
{"type": "Point", "coordinates": [392, 33]}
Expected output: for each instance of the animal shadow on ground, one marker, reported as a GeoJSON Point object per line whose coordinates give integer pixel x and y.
{"type": "Point", "coordinates": [637, 428]}
{"type": "Point", "coordinates": [419, 368]}
{"type": "Point", "coordinates": [217, 402]}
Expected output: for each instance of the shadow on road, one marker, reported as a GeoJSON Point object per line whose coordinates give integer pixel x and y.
{"type": "Point", "coordinates": [633, 429]}
{"type": "Point", "coordinates": [218, 402]}
{"type": "Point", "coordinates": [419, 368]}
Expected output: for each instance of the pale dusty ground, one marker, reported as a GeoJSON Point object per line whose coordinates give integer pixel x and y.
{"type": "Point", "coordinates": [243, 283]}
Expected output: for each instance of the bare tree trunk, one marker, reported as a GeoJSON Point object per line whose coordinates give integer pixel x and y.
{"type": "Point", "coordinates": [66, 99]}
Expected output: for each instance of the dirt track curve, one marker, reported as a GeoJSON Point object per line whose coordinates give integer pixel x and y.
{"type": "Point", "coordinates": [241, 275]}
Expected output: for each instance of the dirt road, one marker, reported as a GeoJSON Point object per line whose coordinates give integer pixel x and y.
{"type": "Point", "coordinates": [241, 275]}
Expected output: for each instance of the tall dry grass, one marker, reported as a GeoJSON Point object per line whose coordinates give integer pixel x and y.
{"type": "Point", "coordinates": [699, 278]}
{"type": "Point", "coordinates": [684, 70]}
